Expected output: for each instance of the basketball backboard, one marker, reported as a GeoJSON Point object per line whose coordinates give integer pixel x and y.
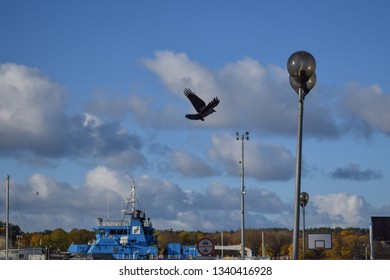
{"type": "Point", "coordinates": [319, 241]}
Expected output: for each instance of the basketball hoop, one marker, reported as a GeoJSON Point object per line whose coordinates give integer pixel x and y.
{"type": "Point", "coordinates": [319, 245]}
{"type": "Point", "coordinates": [319, 249]}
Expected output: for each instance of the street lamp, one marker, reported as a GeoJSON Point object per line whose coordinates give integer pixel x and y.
{"type": "Point", "coordinates": [303, 200]}
{"type": "Point", "coordinates": [242, 137]}
{"type": "Point", "coordinates": [301, 66]}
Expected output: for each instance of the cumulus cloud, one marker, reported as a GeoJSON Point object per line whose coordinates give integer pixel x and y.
{"type": "Point", "coordinates": [252, 95]}
{"type": "Point", "coordinates": [35, 128]}
{"type": "Point", "coordinates": [178, 71]}
{"type": "Point", "coordinates": [31, 108]}
{"type": "Point", "coordinates": [367, 109]}
{"type": "Point", "coordinates": [190, 165]}
{"type": "Point", "coordinates": [152, 112]}
{"type": "Point", "coordinates": [102, 179]}
{"type": "Point", "coordinates": [170, 205]}
{"type": "Point", "coordinates": [353, 172]}
{"type": "Point", "coordinates": [263, 162]}
{"type": "Point", "coordinates": [44, 203]}
{"type": "Point", "coordinates": [340, 210]}
{"type": "Point", "coordinates": [96, 138]}
{"type": "Point", "coordinates": [259, 96]}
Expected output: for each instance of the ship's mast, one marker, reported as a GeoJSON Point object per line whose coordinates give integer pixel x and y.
{"type": "Point", "coordinates": [130, 201]}
{"type": "Point", "coordinates": [132, 197]}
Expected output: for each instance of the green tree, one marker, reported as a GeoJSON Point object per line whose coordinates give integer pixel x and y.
{"type": "Point", "coordinates": [59, 239]}
{"type": "Point", "coordinates": [80, 236]}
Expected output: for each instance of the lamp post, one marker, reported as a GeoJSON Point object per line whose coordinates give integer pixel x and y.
{"type": "Point", "coordinates": [303, 200]}
{"type": "Point", "coordinates": [6, 217]}
{"type": "Point", "coordinates": [301, 66]}
{"type": "Point", "coordinates": [242, 137]}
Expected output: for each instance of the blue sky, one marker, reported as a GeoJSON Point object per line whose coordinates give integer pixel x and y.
{"type": "Point", "coordinates": [92, 98]}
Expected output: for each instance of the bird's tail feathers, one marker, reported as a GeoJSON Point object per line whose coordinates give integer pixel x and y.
{"type": "Point", "coordinates": [194, 117]}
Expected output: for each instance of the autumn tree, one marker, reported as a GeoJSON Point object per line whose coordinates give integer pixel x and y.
{"type": "Point", "coordinates": [80, 236]}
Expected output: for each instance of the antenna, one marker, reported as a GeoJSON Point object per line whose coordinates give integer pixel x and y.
{"type": "Point", "coordinates": [108, 207]}
{"type": "Point", "coordinates": [132, 197]}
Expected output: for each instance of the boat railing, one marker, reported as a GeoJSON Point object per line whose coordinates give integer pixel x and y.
{"type": "Point", "coordinates": [111, 223]}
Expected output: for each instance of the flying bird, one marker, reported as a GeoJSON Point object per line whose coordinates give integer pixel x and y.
{"type": "Point", "coordinates": [200, 105]}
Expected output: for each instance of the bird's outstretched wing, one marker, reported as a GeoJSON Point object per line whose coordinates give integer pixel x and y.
{"type": "Point", "coordinates": [212, 104]}
{"type": "Point", "coordinates": [196, 101]}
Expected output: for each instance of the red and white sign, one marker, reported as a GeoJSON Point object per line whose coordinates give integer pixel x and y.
{"type": "Point", "coordinates": [205, 247]}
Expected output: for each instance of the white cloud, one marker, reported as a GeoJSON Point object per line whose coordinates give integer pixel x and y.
{"type": "Point", "coordinates": [169, 205]}
{"type": "Point", "coordinates": [91, 121]}
{"type": "Point", "coordinates": [177, 71]}
{"type": "Point", "coordinates": [341, 210]}
{"type": "Point", "coordinates": [263, 162]}
{"type": "Point", "coordinates": [102, 179]}
{"type": "Point", "coordinates": [368, 108]}
{"type": "Point", "coordinates": [42, 185]}
{"type": "Point", "coordinates": [252, 95]}
{"type": "Point", "coordinates": [36, 130]}
{"type": "Point", "coordinates": [190, 165]}
{"type": "Point", "coordinates": [30, 108]}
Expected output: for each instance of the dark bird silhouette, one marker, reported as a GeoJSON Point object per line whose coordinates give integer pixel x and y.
{"type": "Point", "coordinates": [200, 105]}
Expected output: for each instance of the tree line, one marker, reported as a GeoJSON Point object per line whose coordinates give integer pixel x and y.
{"type": "Point", "coordinates": [347, 243]}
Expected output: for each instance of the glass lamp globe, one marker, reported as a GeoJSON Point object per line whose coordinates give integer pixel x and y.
{"type": "Point", "coordinates": [306, 87]}
{"type": "Point", "coordinates": [301, 65]}
{"type": "Point", "coordinates": [303, 199]}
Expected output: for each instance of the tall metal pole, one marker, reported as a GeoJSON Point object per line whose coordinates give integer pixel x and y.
{"type": "Point", "coordinates": [243, 137]}
{"type": "Point", "coordinates": [303, 232]}
{"type": "Point", "coordinates": [298, 176]}
{"type": "Point", "coordinates": [6, 216]}
{"type": "Point", "coordinates": [262, 244]}
{"type": "Point", "coordinates": [222, 244]}
{"type": "Point", "coordinates": [301, 66]}
{"type": "Point", "coordinates": [372, 253]}
{"type": "Point", "coordinates": [242, 202]}
{"type": "Point", "coordinates": [303, 200]}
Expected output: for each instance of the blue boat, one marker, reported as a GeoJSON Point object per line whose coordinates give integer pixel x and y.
{"type": "Point", "coordinates": [132, 237]}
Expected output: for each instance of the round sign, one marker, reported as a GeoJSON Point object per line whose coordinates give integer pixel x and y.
{"type": "Point", "coordinates": [205, 247]}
